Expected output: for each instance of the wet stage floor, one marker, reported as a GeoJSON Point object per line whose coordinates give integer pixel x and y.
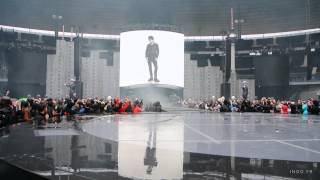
{"type": "Point", "coordinates": [172, 145]}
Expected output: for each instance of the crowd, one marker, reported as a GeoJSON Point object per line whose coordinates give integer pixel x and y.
{"type": "Point", "coordinates": [42, 110]}
{"type": "Point", "coordinates": [263, 105]}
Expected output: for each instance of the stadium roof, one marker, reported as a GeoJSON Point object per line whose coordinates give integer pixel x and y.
{"type": "Point", "coordinates": [192, 17]}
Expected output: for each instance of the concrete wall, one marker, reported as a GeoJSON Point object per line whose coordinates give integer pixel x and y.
{"type": "Point", "coordinates": [60, 69]}
{"type": "Point", "coordinates": [99, 79]}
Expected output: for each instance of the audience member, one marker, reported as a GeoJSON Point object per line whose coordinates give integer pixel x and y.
{"type": "Point", "coordinates": [263, 105]}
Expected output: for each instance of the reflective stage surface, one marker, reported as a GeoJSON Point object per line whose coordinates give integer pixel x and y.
{"type": "Point", "coordinates": [174, 145]}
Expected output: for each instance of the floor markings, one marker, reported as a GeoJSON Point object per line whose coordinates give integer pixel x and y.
{"type": "Point", "coordinates": [202, 134]}
{"type": "Point", "coordinates": [298, 147]}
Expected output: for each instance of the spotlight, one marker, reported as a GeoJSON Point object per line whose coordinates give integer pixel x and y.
{"type": "Point", "coordinates": [258, 53]}
{"type": "Point", "coordinates": [252, 53]}
{"type": "Point", "coordinates": [232, 35]}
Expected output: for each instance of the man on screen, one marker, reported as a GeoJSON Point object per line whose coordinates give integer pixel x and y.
{"type": "Point", "coordinates": [152, 53]}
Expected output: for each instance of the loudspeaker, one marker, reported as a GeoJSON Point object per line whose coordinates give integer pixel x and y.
{"type": "Point", "coordinates": [309, 65]}
{"type": "Point", "coordinates": [228, 59]}
{"type": "Point", "coordinates": [272, 76]}
{"type": "Point", "coordinates": [110, 61]}
{"type": "Point", "coordinates": [22, 79]}
{"type": "Point", "coordinates": [79, 89]}
{"type": "Point", "coordinates": [272, 70]}
{"type": "Point", "coordinates": [225, 90]}
{"type": "Point", "coordinates": [77, 57]}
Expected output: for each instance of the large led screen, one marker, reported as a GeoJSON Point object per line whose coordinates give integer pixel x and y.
{"type": "Point", "coordinates": [150, 56]}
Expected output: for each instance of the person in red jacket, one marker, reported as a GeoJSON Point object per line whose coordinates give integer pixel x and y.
{"type": "Point", "coordinates": [121, 107]}
{"type": "Point", "coordinates": [137, 109]}
{"type": "Point", "coordinates": [117, 105]}
{"type": "Point", "coordinates": [284, 108]}
{"type": "Point", "coordinates": [126, 106]}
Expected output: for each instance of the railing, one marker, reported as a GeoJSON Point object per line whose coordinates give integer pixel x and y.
{"type": "Point", "coordinates": [187, 38]}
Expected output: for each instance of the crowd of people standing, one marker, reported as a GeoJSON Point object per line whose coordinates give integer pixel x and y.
{"type": "Point", "coordinates": [263, 105]}
{"type": "Point", "coordinates": [42, 110]}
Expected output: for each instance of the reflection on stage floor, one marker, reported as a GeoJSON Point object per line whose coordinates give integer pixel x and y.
{"type": "Point", "coordinates": [172, 145]}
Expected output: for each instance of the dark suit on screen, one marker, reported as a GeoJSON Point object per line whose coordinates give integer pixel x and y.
{"type": "Point", "coordinates": [152, 53]}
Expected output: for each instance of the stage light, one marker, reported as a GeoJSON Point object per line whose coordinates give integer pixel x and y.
{"type": "Point", "coordinates": [232, 35]}
{"type": "Point", "coordinates": [252, 53]}
{"type": "Point", "coordinates": [239, 21]}
{"type": "Point", "coordinates": [258, 53]}
{"type": "Point", "coordinates": [56, 17]}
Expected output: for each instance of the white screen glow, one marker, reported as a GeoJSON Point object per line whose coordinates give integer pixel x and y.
{"type": "Point", "coordinates": [134, 65]}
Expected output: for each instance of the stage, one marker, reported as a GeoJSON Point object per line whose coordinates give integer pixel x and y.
{"type": "Point", "coordinates": [178, 144]}
{"type": "Point", "coordinates": [152, 92]}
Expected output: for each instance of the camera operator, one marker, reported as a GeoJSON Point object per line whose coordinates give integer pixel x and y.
{"type": "Point", "coordinates": [6, 113]}
{"type": "Point", "coordinates": [41, 116]}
